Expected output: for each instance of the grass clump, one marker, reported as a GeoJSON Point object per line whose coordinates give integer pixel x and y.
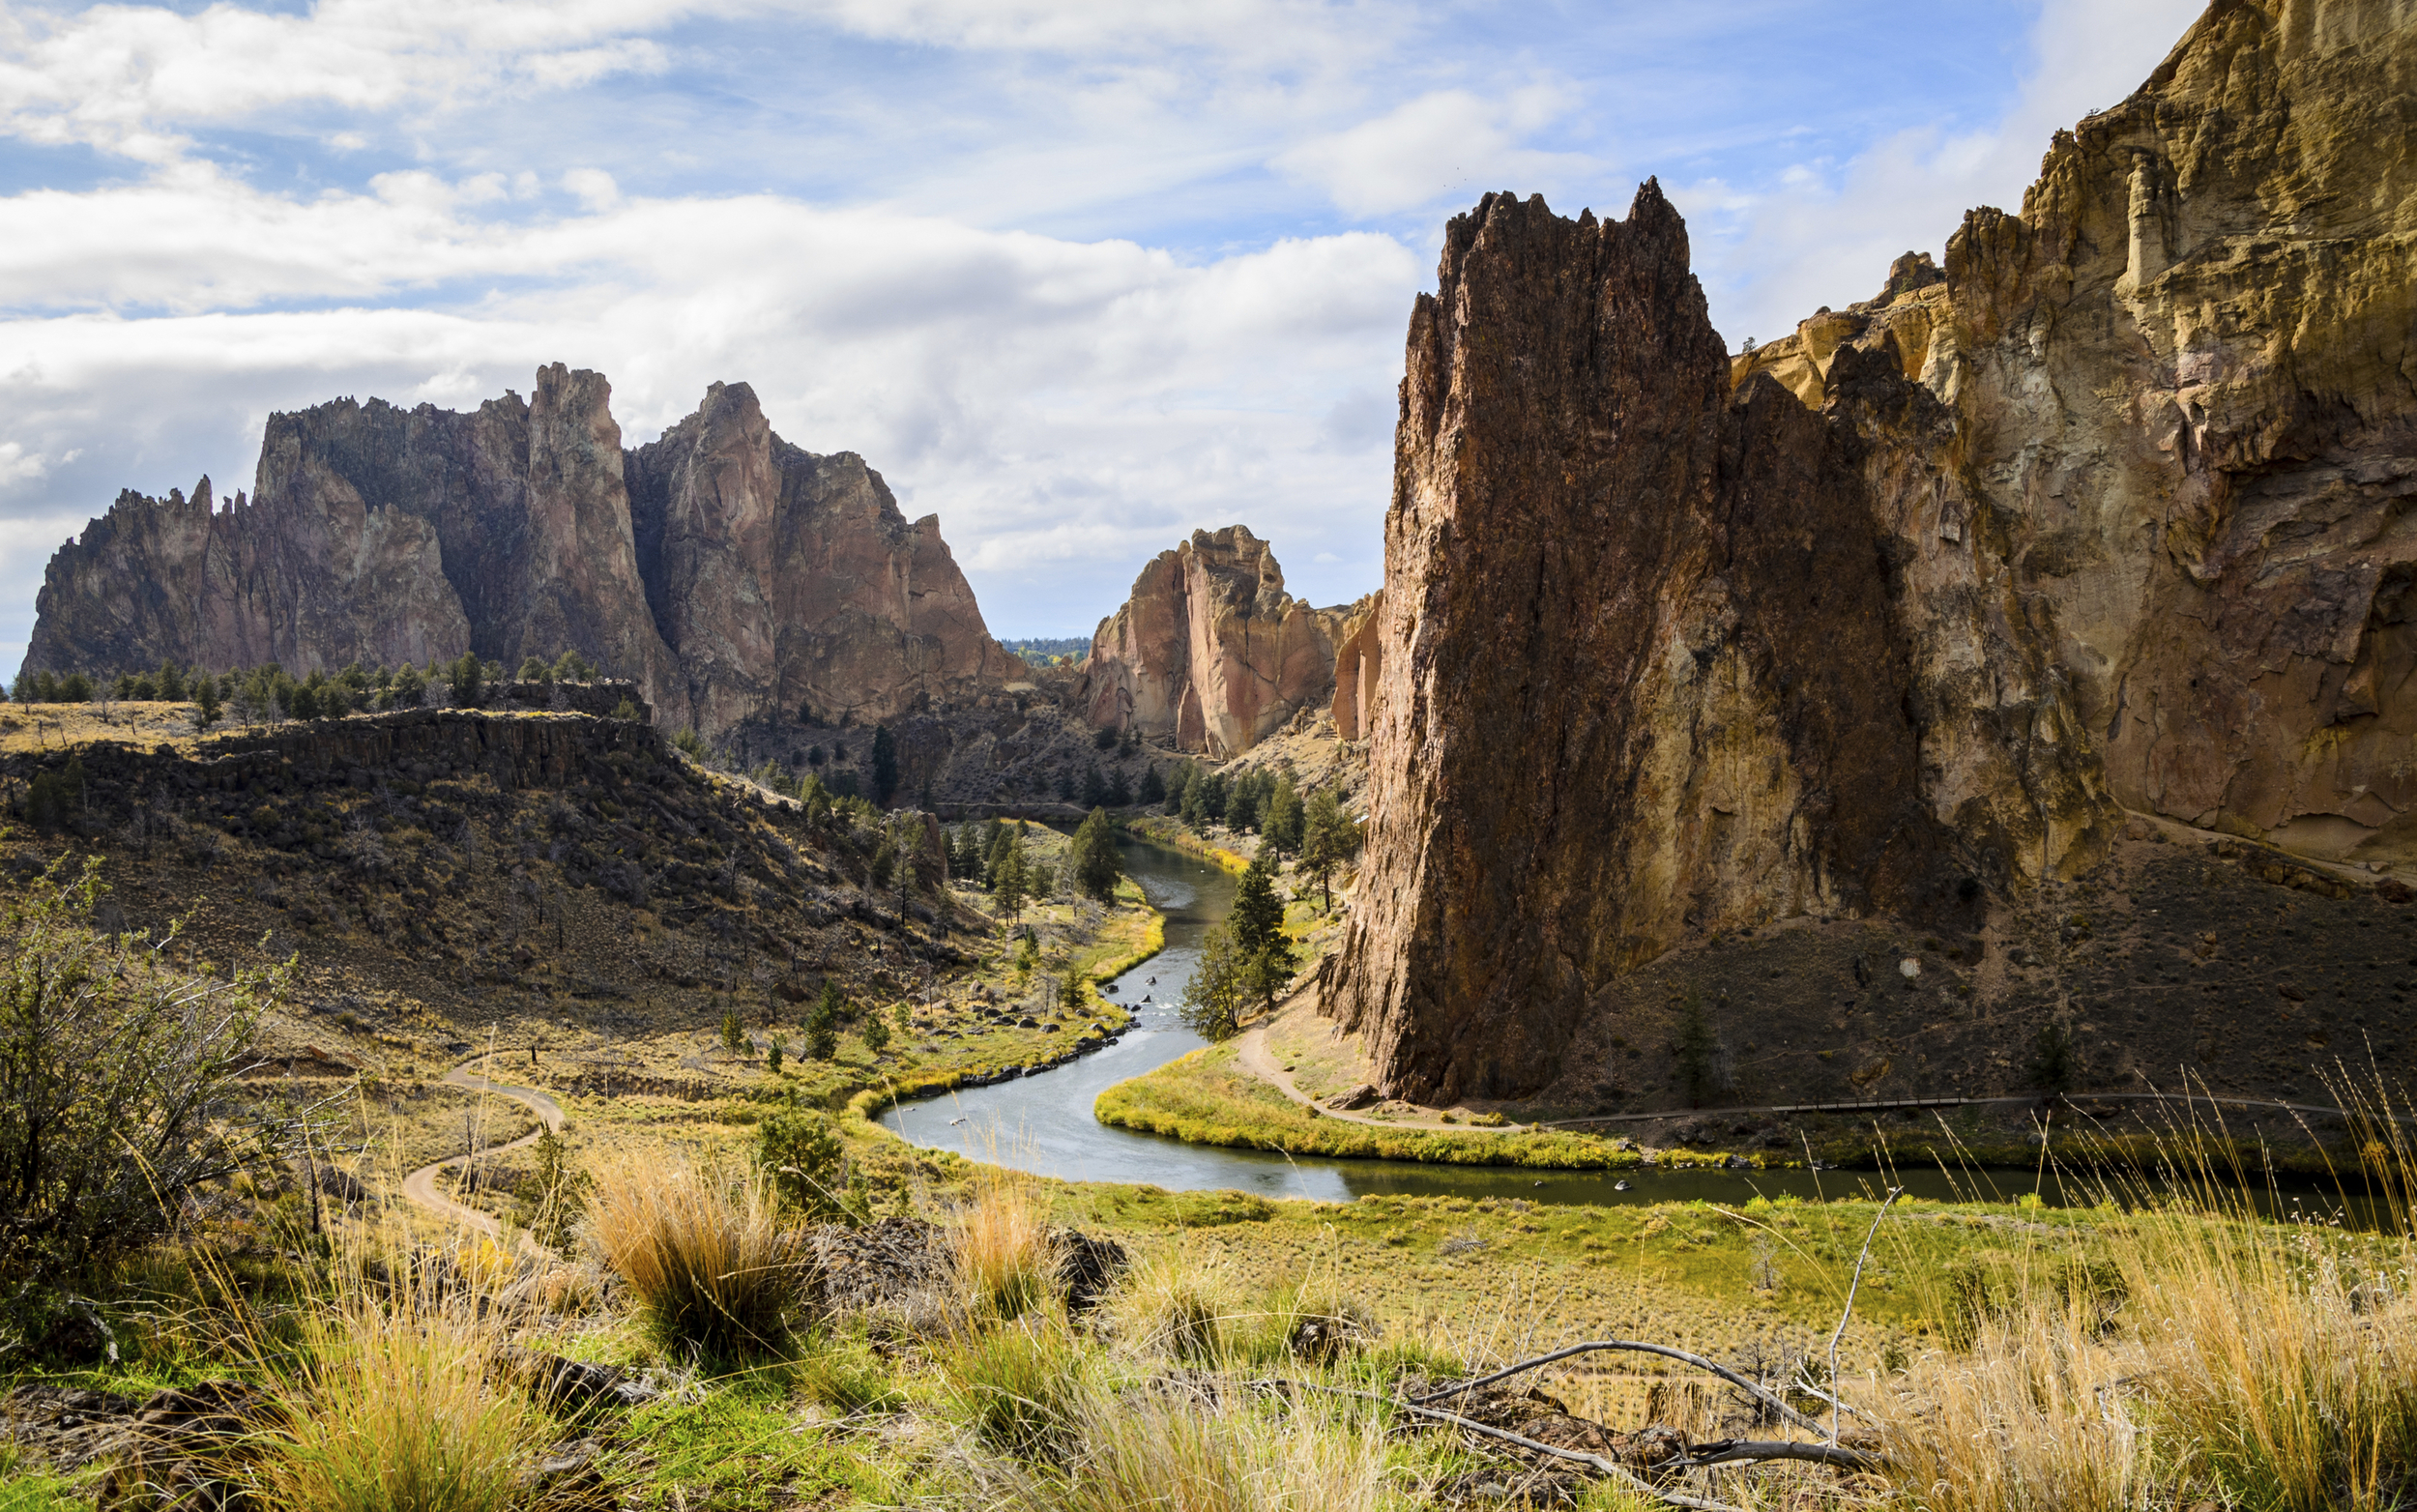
{"type": "Point", "coordinates": [1005, 1254]}
{"type": "Point", "coordinates": [399, 1408]}
{"type": "Point", "coordinates": [1019, 1388]}
{"type": "Point", "coordinates": [1171, 1305]}
{"type": "Point", "coordinates": [1166, 1448]}
{"type": "Point", "coordinates": [706, 1253]}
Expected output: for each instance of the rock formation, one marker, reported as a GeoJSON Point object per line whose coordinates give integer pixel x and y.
{"type": "Point", "coordinates": [1358, 661]}
{"type": "Point", "coordinates": [2102, 516]}
{"type": "Point", "coordinates": [1208, 652]}
{"type": "Point", "coordinates": [728, 573]}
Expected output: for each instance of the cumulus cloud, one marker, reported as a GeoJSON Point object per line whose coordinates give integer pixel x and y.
{"type": "Point", "coordinates": [1067, 407]}
{"type": "Point", "coordinates": [1442, 144]}
{"type": "Point", "coordinates": [128, 78]}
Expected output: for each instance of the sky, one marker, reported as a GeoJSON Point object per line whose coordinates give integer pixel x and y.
{"type": "Point", "coordinates": [1080, 276]}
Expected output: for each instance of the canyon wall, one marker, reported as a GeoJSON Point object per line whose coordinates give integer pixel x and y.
{"type": "Point", "coordinates": [1900, 615]}
{"type": "Point", "coordinates": [726, 573]}
{"type": "Point", "coordinates": [1208, 652]}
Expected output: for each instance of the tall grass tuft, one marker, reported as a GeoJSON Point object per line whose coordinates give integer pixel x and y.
{"type": "Point", "coordinates": [704, 1251]}
{"type": "Point", "coordinates": [1005, 1258]}
{"type": "Point", "coordinates": [2218, 1357]}
{"type": "Point", "coordinates": [1169, 1452]}
{"type": "Point", "coordinates": [1019, 1386]}
{"type": "Point", "coordinates": [1170, 1304]}
{"type": "Point", "coordinates": [399, 1408]}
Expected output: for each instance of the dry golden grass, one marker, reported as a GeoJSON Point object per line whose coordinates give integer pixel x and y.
{"type": "Point", "coordinates": [703, 1249]}
{"type": "Point", "coordinates": [400, 1410]}
{"type": "Point", "coordinates": [2227, 1360]}
{"type": "Point", "coordinates": [1004, 1256]}
{"type": "Point", "coordinates": [1167, 1449]}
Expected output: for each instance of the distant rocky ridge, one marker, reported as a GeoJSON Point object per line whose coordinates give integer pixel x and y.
{"type": "Point", "coordinates": [2104, 515]}
{"type": "Point", "coordinates": [730, 574]}
{"type": "Point", "coordinates": [1209, 654]}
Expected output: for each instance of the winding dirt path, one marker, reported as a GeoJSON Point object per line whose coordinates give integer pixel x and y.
{"type": "Point", "coordinates": [419, 1186]}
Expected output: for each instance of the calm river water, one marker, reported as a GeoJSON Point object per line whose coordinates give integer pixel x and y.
{"type": "Point", "coordinates": [1045, 1124]}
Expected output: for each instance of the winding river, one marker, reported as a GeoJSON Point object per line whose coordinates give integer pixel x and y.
{"type": "Point", "coordinates": [1043, 1123]}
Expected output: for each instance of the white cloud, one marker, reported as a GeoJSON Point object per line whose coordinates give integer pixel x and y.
{"type": "Point", "coordinates": [1067, 407]}
{"type": "Point", "coordinates": [128, 78]}
{"type": "Point", "coordinates": [19, 465]}
{"type": "Point", "coordinates": [593, 187]}
{"type": "Point", "coordinates": [1446, 144]}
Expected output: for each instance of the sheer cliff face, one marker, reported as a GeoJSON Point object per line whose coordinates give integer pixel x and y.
{"type": "Point", "coordinates": [728, 573]}
{"type": "Point", "coordinates": [1210, 652]}
{"type": "Point", "coordinates": [2105, 515]}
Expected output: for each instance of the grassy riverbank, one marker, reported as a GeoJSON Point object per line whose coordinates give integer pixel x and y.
{"type": "Point", "coordinates": [1207, 1099]}
{"type": "Point", "coordinates": [1177, 835]}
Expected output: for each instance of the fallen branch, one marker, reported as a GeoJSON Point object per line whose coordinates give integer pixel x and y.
{"type": "Point", "coordinates": [1894, 1193]}
{"type": "Point", "coordinates": [1751, 1388]}
{"type": "Point", "coordinates": [1749, 1451]}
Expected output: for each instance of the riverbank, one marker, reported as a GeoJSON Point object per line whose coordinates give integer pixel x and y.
{"type": "Point", "coordinates": [1167, 830]}
{"type": "Point", "coordinates": [1207, 1099]}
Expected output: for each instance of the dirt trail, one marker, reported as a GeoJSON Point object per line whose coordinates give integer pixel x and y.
{"type": "Point", "coordinates": [420, 1185]}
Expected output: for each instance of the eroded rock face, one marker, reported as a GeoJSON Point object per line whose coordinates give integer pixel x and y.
{"type": "Point", "coordinates": [2102, 516]}
{"type": "Point", "coordinates": [728, 573]}
{"type": "Point", "coordinates": [1358, 661]}
{"type": "Point", "coordinates": [1209, 652]}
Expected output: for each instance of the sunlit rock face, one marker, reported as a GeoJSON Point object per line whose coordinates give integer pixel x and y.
{"type": "Point", "coordinates": [1904, 612]}
{"type": "Point", "coordinates": [1208, 652]}
{"type": "Point", "coordinates": [726, 573]}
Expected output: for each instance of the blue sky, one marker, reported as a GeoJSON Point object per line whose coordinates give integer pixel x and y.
{"type": "Point", "coordinates": [1078, 276]}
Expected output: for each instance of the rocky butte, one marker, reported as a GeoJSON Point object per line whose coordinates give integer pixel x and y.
{"type": "Point", "coordinates": [1208, 652]}
{"type": "Point", "coordinates": [1906, 619]}
{"type": "Point", "coordinates": [731, 574]}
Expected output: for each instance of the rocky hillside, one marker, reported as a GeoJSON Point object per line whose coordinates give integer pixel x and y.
{"type": "Point", "coordinates": [1209, 654]}
{"type": "Point", "coordinates": [1896, 620]}
{"type": "Point", "coordinates": [729, 573]}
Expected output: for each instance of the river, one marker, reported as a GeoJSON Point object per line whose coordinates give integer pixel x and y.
{"type": "Point", "coordinates": [1043, 1123]}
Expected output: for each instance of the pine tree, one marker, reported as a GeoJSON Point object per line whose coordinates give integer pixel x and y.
{"type": "Point", "coordinates": [1264, 951]}
{"type": "Point", "coordinates": [822, 1026]}
{"type": "Point", "coordinates": [1095, 866]}
{"type": "Point", "coordinates": [1120, 790]}
{"type": "Point", "coordinates": [1329, 839]}
{"type": "Point", "coordinates": [876, 1032]}
{"type": "Point", "coordinates": [1212, 1000]}
{"type": "Point", "coordinates": [734, 1034]}
{"type": "Point", "coordinates": [1281, 826]}
{"type": "Point", "coordinates": [771, 1056]}
{"type": "Point", "coordinates": [1010, 879]}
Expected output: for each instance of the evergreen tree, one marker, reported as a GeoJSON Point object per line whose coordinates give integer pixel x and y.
{"type": "Point", "coordinates": [876, 1032]}
{"type": "Point", "coordinates": [1242, 811]}
{"type": "Point", "coordinates": [1212, 1000]}
{"type": "Point", "coordinates": [466, 678]}
{"type": "Point", "coordinates": [1120, 790]}
{"type": "Point", "coordinates": [572, 667]}
{"type": "Point", "coordinates": [408, 691]}
{"type": "Point", "coordinates": [533, 670]}
{"type": "Point", "coordinates": [771, 1056]}
{"type": "Point", "coordinates": [1011, 878]}
{"type": "Point", "coordinates": [1213, 796]}
{"type": "Point", "coordinates": [1095, 866]}
{"type": "Point", "coordinates": [205, 702]}
{"type": "Point", "coordinates": [1264, 953]}
{"type": "Point", "coordinates": [1329, 839]}
{"type": "Point", "coordinates": [734, 1034]}
{"type": "Point", "coordinates": [822, 1026]}
{"type": "Point", "coordinates": [171, 682]}
{"type": "Point", "coordinates": [1194, 803]}
{"type": "Point", "coordinates": [1281, 825]}
{"type": "Point", "coordinates": [884, 765]}
{"type": "Point", "coordinates": [1094, 787]}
